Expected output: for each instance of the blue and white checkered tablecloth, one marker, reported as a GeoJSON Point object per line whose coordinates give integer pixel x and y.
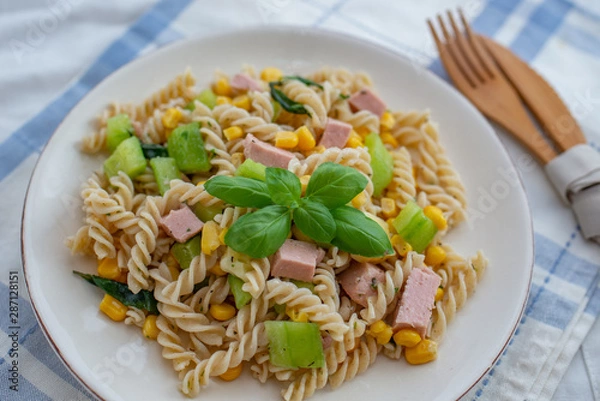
{"type": "Point", "coordinates": [53, 52]}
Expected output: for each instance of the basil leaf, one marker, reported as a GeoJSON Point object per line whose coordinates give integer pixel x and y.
{"type": "Point", "coordinates": [284, 187]}
{"type": "Point", "coordinates": [142, 300]}
{"type": "Point", "coordinates": [358, 234]}
{"type": "Point", "coordinates": [344, 96]}
{"type": "Point", "coordinates": [261, 233]}
{"type": "Point", "coordinates": [315, 221]}
{"type": "Point", "coordinates": [335, 185]}
{"type": "Point", "coordinates": [305, 81]}
{"type": "Point", "coordinates": [239, 191]}
{"type": "Point", "coordinates": [288, 104]}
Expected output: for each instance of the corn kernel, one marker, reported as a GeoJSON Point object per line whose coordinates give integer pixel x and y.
{"type": "Point", "coordinates": [200, 183]}
{"type": "Point", "coordinates": [222, 87]}
{"type": "Point", "coordinates": [387, 121]}
{"type": "Point", "coordinates": [173, 266]}
{"type": "Point", "coordinates": [436, 215]}
{"type": "Point", "coordinates": [390, 223]}
{"type": "Point", "coordinates": [354, 141]}
{"type": "Point", "coordinates": [389, 139]}
{"type": "Point", "coordinates": [232, 133]}
{"type": "Point", "coordinates": [306, 140]}
{"type": "Point", "coordinates": [385, 336]}
{"type": "Point", "coordinates": [319, 149]}
{"type": "Point", "coordinates": [171, 118]}
{"type": "Point", "coordinates": [435, 255]}
{"type": "Point", "coordinates": [439, 294]}
{"type": "Point", "coordinates": [223, 100]}
{"type": "Point", "coordinates": [362, 132]}
{"type": "Point", "coordinates": [123, 276]}
{"type": "Point", "coordinates": [423, 352]}
{"type": "Point", "coordinates": [378, 327]}
{"type": "Point", "coordinates": [242, 101]}
{"type": "Point", "coordinates": [113, 308]}
{"type": "Point", "coordinates": [304, 182]}
{"type": "Point", "coordinates": [286, 139]}
{"type": "Point", "coordinates": [295, 316]}
{"type": "Point", "coordinates": [232, 373]}
{"type": "Point", "coordinates": [388, 207]}
{"type": "Point", "coordinates": [359, 200]}
{"type": "Point", "coordinates": [400, 245]}
{"type": "Point", "coordinates": [407, 338]}
{"type": "Point", "coordinates": [150, 329]}
{"type": "Point", "coordinates": [222, 312]}
{"type": "Point", "coordinates": [210, 237]}
{"type": "Point", "coordinates": [222, 236]}
{"type": "Point", "coordinates": [109, 268]}
{"type": "Point", "coordinates": [217, 271]}
{"type": "Point", "coordinates": [271, 74]}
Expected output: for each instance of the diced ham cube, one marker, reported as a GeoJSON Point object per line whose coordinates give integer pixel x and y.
{"type": "Point", "coordinates": [181, 224]}
{"type": "Point", "coordinates": [336, 134]}
{"type": "Point", "coordinates": [265, 153]}
{"type": "Point", "coordinates": [365, 99]}
{"type": "Point", "coordinates": [360, 281]}
{"type": "Point", "coordinates": [414, 308]}
{"type": "Point", "coordinates": [243, 82]}
{"type": "Point", "coordinates": [296, 260]}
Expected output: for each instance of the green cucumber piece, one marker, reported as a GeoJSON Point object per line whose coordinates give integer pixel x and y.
{"type": "Point", "coordinates": [402, 222]}
{"type": "Point", "coordinates": [241, 297]}
{"type": "Point", "coordinates": [165, 169]}
{"type": "Point", "coordinates": [251, 169]}
{"type": "Point", "coordinates": [416, 228]}
{"type": "Point", "coordinates": [207, 97]}
{"type": "Point", "coordinates": [207, 213]}
{"type": "Point", "coordinates": [186, 146]}
{"type": "Point", "coordinates": [422, 235]}
{"type": "Point", "coordinates": [382, 163]}
{"type": "Point", "coordinates": [276, 110]}
{"type": "Point", "coordinates": [118, 128]}
{"type": "Point", "coordinates": [127, 157]}
{"type": "Point", "coordinates": [186, 251]}
{"type": "Point", "coordinates": [152, 150]}
{"type": "Point", "coordinates": [294, 345]}
{"type": "Point", "coordinates": [304, 284]}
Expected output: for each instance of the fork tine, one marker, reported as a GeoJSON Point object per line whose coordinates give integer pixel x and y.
{"type": "Point", "coordinates": [453, 71]}
{"type": "Point", "coordinates": [478, 48]}
{"type": "Point", "coordinates": [455, 53]}
{"type": "Point", "coordinates": [466, 50]}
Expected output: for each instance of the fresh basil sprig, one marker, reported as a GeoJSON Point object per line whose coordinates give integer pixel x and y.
{"type": "Point", "coordinates": [321, 214]}
{"type": "Point", "coordinates": [288, 104]}
{"type": "Point", "coordinates": [142, 300]}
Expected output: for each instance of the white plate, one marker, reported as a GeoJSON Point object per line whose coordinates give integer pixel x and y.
{"type": "Point", "coordinates": [113, 360]}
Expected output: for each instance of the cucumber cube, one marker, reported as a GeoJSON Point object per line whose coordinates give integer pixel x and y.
{"type": "Point", "coordinates": [127, 157]}
{"type": "Point", "coordinates": [294, 345]}
{"type": "Point", "coordinates": [186, 146]}
{"type": "Point", "coordinates": [185, 252]}
{"type": "Point", "coordinates": [235, 285]}
{"type": "Point", "coordinates": [165, 169]}
{"type": "Point", "coordinates": [118, 128]}
{"type": "Point", "coordinates": [382, 163]}
{"type": "Point", "coordinates": [251, 169]}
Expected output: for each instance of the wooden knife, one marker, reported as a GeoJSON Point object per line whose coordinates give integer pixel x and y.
{"type": "Point", "coordinates": [547, 107]}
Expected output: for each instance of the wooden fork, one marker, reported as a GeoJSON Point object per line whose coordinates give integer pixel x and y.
{"type": "Point", "coordinates": [475, 74]}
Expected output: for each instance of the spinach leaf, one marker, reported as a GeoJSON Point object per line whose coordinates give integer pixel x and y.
{"type": "Point", "coordinates": [358, 234]}
{"type": "Point", "coordinates": [305, 81]}
{"type": "Point", "coordinates": [261, 233]}
{"type": "Point", "coordinates": [152, 150]}
{"type": "Point", "coordinates": [239, 191]}
{"type": "Point", "coordinates": [335, 185]}
{"type": "Point", "coordinates": [288, 104]}
{"type": "Point", "coordinates": [142, 300]}
{"type": "Point", "coordinates": [315, 221]}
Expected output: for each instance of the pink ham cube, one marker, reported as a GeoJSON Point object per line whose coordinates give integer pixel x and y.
{"type": "Point", "coordinates": [360, 281]}
{"type": "Point", "coordinates": [336, 134]}
{"type": "Point", "coordinates": [181, 224]}
{"type": "Point", "coordinates": [265, 153]}
{"type": "Point", "coordinates": [243, 82]}
{"type": "Point", "coordinates": [296, 260]}
{"type": "Point", "coordinates": [414, 308]}
{"type": "Point", "coordinates": [365, 99]}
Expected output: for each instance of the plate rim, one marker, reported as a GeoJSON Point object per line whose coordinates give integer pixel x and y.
{"type": "Point", "coordinates": [315, 31]}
